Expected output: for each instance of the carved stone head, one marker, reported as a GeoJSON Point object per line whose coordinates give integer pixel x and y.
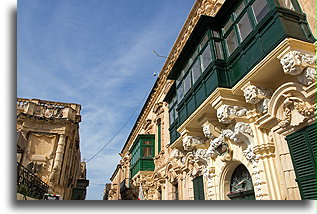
{"type": "Point", "coordinates": [291, 63]}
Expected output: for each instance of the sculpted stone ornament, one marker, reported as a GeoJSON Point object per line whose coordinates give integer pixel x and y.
{"type": "Point", "coordinates": [259, 96]}
{"type": "Point", "coordinates": [308, 76]}
{"type": "Point", "coordinates": [295, 111]}
{"type": "Point", "coordinates": [189, 142]}
{"type": "Point", "coordinates": [250, 155]}
{"type": "Point", "coordinates": [226, 113]}
{"type": "Point", "coordinates": [294, 62]}
{"type": "Point", "coordinates": [207, 132]}
{"type": "Point", "coordinates": [177, 154]}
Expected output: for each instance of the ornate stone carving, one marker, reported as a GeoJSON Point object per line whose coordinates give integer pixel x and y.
{"type": "Point", "coordinates": [259, 96]}
{"type": "Point", "coordinates": [226, 113]}
{"type": "Point", "coordinates": [177, 154]}
{"type": "Point", "coordinates": [250, 155]}
{"type": "Point", "coordinates": [214, 144]}
{"type": "Point", "coordinates": [241, 132]}
{"type": "Point", "coordinates": [207, 132]}
{"type": "Point", "coordinates": [308, 76]}
{"type": "Point", "coordinates": [294, 62]}
{"type": "Point", "coordinates": [295, 111]}
{"type": "Point", "coordinates": [189, 142]}
{"type": "Point", "coordinates": [209, 7]}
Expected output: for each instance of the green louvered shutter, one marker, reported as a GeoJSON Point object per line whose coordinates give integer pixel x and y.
{"type": "Point", "coordinates": [302, 146]}
{"type": "Point", "coordinates": [199, 188]}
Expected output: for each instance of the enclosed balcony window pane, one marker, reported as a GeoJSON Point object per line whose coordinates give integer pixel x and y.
{"type": "Point", "coordinates": [180, 92]}
{"type": "Point", "coordinates": [203, 42]}
{"type": "Point", "coordinates": [244, 26]}
{"type": "Point", "coordinates": [239, 9]}
{"type": "Point", "coordinates": [195, 54]}
{"type": "Point", "coordinates": [219, 51]}
{"type": "Point", "coordinates": [216, 34]}
{"type": "Point", "coordinates": [179, 79]}
{"type": "Point", "coordinates": [147, 152]}
{"type": "Point", "coordinates": [227, 26]}
{"type": "Point", "coordinates": [196, 71]}
{"type": "Point", "coordinates": [232, 42]}
{"type": "Point", "coordinates": [205, 58]}
{"type": "Point", "coordinates": [187, 83]}
{"type": "Point", "coordinates": [287, 4]}
{"type": "Point", "coordinates": [147, 142]}
{"type": "Point", "coordinates": [172, 118]}
{"type": "Point", "coordinates": [260, 9]}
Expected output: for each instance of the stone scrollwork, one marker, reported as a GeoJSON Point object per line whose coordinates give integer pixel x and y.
{"type": "Point", "coordinates": [259, 96]}
{"type": "Point", "coordinates": [207, 132]}
{"type": "Point", "coordinates": [177, 154]}
{"type": "Point", "coordinates": [295, 111]}
{"type": "Point", "coordinates": [301, 64]}
{"type": "Point", "coordinates": [250, 155]}
{"type": "Point", "coordinates": [308, 76]}
{"type": "Point", "coordinates": [189, 142]}
{"type": "Point", "coordinates": [227, 113]}
{"type": "Point", "coordinates": [295, 61]}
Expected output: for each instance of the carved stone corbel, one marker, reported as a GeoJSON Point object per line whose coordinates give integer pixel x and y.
{"type": "Point", "coordinates": [227, 113]}
{"type": "Point", "coordinates": [258, 96]}
{"type": "Point", "coordinates": [189, 142]}
{"type": "Point", "coordinates": [301, 64]}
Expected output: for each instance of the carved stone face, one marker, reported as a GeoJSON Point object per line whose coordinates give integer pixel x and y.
{"type": "Point", "coordinates": [291, 63]}
{"type": "Point", "coordinates": [223, 114]}
{"type": "Point", "coordinates": [251, 94]}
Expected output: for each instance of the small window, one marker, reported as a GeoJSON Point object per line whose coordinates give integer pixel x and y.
{"type": "Point", "coordinates": [216, 34]}
{"type": "Point", "coordinates": [172, 118]}
{"type": "Point", "coordinates": [260, 9]}
{"type": "Point", "coordinates": [147, 152]}
{"type": "Point", "coordinates": [196, 71]}
{"type": "Point", "coordinates": [227, 26]}
{"type": "Point", "coordinates": [205, 58]}
{"type": "Point", "coordinates": [187, 83]}
{"type": "Point", "coordinates": [179, 79]}
{"type": "Point", "coordinates": [232, 42]}
{"type": "Point", "coordinates": [180, 92]}
{"type": "Point", "coordinates": [239, 9]}
{"type": "Point", "coordinates": [287, 4]}
{"type": "Point", "coordinates": [147, 142]}
{"type": "Point", "coordinates": [203, 42]}
{"type": "Point", "coordinates": [219, 51]}
{"type": "Point", "coordinates": [244, 26]}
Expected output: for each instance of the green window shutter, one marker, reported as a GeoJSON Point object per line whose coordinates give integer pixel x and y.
{"type": "Point", "coordinates": [159, 137]}
{"type": "Point", "coordinates": [199, 188]}
{"type": "Point", "coordinates": [302, 146]}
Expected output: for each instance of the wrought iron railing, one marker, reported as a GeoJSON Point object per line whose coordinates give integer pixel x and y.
{"type": "Point", "coordinates": [29, 184]}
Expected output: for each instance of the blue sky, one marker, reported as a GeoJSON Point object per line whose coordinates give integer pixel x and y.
{"type": "Point", "coordinates": [97, 53]}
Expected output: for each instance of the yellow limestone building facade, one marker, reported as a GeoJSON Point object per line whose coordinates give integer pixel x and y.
{"type": "Point", "coordinates": [50, 148]}
{"type": "Point", "coordinates": [232, 114]}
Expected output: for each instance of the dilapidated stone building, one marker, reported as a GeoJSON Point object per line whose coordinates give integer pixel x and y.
{"type": "Point", "coordinates": [48, 145]}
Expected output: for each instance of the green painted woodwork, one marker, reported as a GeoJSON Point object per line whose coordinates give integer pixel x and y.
{"type": "Point", "coordinates": [302, 146]}
{"type": "Point", "coordinates": [278, 23]}
{"type": "Point", "coordinates": [241, 187]}
{"type": "Point", "coordinates": [142, 153]}
{"type": "Point", "coordinates": [159, 137]}
{"type": "Point", "coordinates": [198, 188]}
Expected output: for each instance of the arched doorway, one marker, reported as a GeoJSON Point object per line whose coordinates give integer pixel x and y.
{"type": "Point", "coordinates": [241, 187]}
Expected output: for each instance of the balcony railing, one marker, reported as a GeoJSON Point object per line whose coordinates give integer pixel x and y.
{"type": "Point", "coordinates": [29, 184]}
